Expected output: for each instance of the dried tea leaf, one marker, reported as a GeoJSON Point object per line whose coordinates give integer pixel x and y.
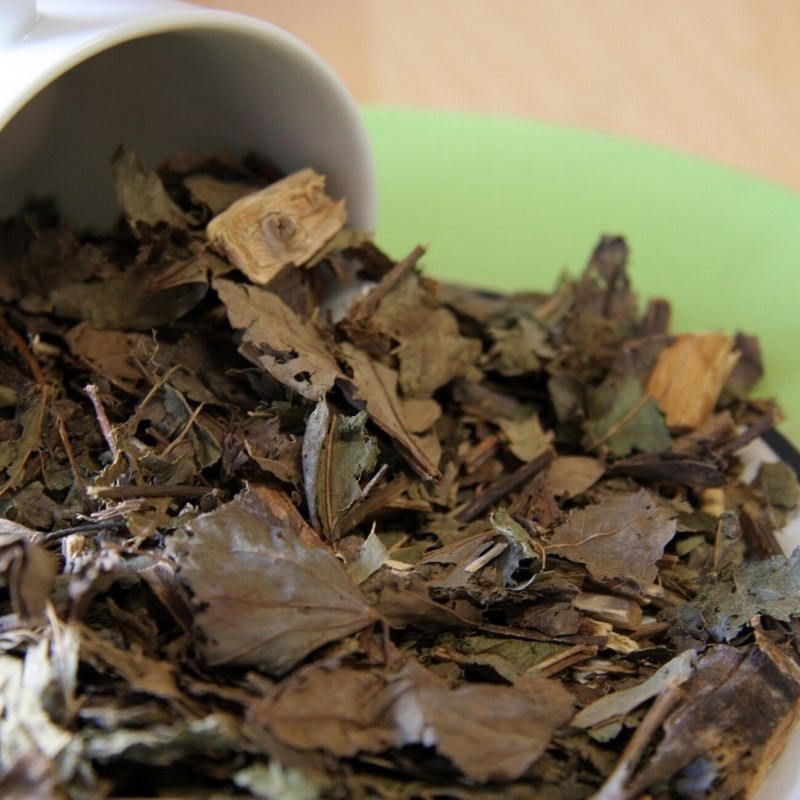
{"type": "Point", "coordinates": [489, 732]}
{"type": "Point", "coordinates": [337, 452]}
{"type": "Point", "coordinates": [770, 587]}
{"type": "Point", "coordinates": [273, 780]}
{"type": "Point", "coordinates": [287, 222]}
{"type": "Point", "coordinates": [618, 538]}
{"type": "Point", "coordinates": [31, 413]}
{"type": "Point", "coordinates": [111, 353]}
{"type": "Point", "coordinates": [404, 601]}
{"type": "Point", "coordinates": [141, 195]}
{"type": "Point", "coordinates": [163, 745]}
{"type": "Point", "coordinates": [518, 347]}
{"type": "Point", "coordinates": [289, 348]}
{"type": "Point", "coordinates": [604, 288]}
{"type": "Point", "coordinates": [35, 706]}
{"type": "Point", "coordinates": [525, 436]}
{"type": "Point", "coordinates": [375, 385]}
{"type": "Point", "coordinates": [434, 354]}
{"type": "Point", "coordinates": [623, 418]}
{"type": "Point", "coordinates": [133, 300]}
{"type": "Point", "coordinates": [27, 570]}
{"type": "Point", "coordinates": [263, 598]}
{"type": "Point", "coordinates": [572, 475]}
{"type": "Point", "coordinates": [780, 485]}
{"type": "Point", "coordinates": [215, 193]}
{"type": "Point", "coordinates": [371, 556]}
{"type": "Point", "coordinates": [409, 318]}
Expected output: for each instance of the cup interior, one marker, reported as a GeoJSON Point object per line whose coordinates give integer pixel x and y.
{"type": "Point", "coordinates": [190, 90]}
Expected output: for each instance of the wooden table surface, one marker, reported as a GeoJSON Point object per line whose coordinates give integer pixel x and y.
{"type": "Point", "coordinates": [716, 78]}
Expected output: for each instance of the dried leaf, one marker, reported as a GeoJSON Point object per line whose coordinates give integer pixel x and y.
{"type": "Point", "coordinates": [337, 452]}
{"type": "Point", "coordinates": [27, 570]}
{"type": "Point", "coordinates": [770, 587]}
{"type": "Point", "coordinates": [519, 347]}
{"type": "Point", "coordinates": [623, 418]}
{"type": "Point", "coordinates": [404, 313]}
{"type": "Point", "coordinates": [572, 475]}
{"type": "Point", "coordinates": [620, 703]}
{"type": "Point", "coordinates": [780, 484]}
{"type": "Point", "coordinates": [488, 732]}
{"type": "Point", "coordinates": [141, 195]}
{"type": "Point", "coordinates": [133, 300]}
{"type": "Point", "coordinates": [617, 538]}
{"type": "Point", "coordinates": [525, 435]}
{"type": "Point", "coordinates": [376, 386]}
{"type": "Point", "coordinates": [162, 745]}
{"type": "Point", "coordinates": [263, 598]}
{"type": "Point", "coordinates": [290, 349]}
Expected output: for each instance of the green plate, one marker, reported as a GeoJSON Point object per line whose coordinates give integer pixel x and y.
{"type": "Point", "coordinates": [509, 204]}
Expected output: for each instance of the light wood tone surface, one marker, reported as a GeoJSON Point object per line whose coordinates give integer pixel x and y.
{"type": "Point", "coordinates": [716, 78]}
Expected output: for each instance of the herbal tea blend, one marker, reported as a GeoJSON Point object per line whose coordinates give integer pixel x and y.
{"type": "Point", "coordinates": [442, 543]}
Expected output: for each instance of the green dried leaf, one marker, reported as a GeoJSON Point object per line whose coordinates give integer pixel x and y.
{"type": "Point", "coordinates": [770, 587]}
{"type": "Point", "coordinates": [518, 348]}
{"type": "Point", "coordinates": [780, 485]}
{"type": "Point", "coordinates": [623, 418]}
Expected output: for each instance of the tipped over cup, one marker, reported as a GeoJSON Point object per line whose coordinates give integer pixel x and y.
{"type": "Point", "coordinates": [78, 78]}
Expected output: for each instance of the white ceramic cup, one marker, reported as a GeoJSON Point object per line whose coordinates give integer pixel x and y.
{"type": "Point", "coordinates": [80, 77]}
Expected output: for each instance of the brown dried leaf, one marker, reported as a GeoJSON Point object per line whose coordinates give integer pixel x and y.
{"type": "Point", "coordinates": [572, 475]}
{"type": "Point", "coordinates": [287, 222]}
{"type": "Point", "coordinates": [263, 597]}
{"type": "Point", "coordinates": [26, 569]}
{"type": "Point", "coordinates": [132, 300]}
{"type": "Point", "coordinates": [290, 349]}
{"type": "Point", "coordinates": [376, 385]}
{"type": "Point", "coordinates": [431, 351]}
{"type": "Point", "coordinates": [489, 732]}
{"type": "Point", "coordinates": [141, 195]}
{"type": "Point", "coordinates": [111, 353]}
{"type": "Point", "coordinates": [617, 538]}
{"type": "Point", "coordinates": [337, 452]}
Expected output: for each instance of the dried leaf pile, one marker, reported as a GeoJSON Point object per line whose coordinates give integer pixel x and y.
{"type": "Point", "coordinates": [445, 544]}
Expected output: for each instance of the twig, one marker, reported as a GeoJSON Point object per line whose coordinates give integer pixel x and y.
{"type": "Point", "coordinates": [24, 351]}
{"type": "Point", "coordinates": [369, 303]}
{"type": "Point", "coordinates": [62, 432]}
{"type": "Point", "coordinates": [503, 487]}
{"type": "Point", "coordinates": [153, 490]}
{"type": "Point", "coordinates": [86, 528]}
{"type": "Point", "coordinates": [758, 428]}
{"type": "Point", "coordinates": [102, 419]}
{"type": "Point", "coordinates": [182, 435]}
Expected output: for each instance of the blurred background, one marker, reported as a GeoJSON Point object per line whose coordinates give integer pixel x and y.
{"type": "Point", "coordinates": [719, 79]}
